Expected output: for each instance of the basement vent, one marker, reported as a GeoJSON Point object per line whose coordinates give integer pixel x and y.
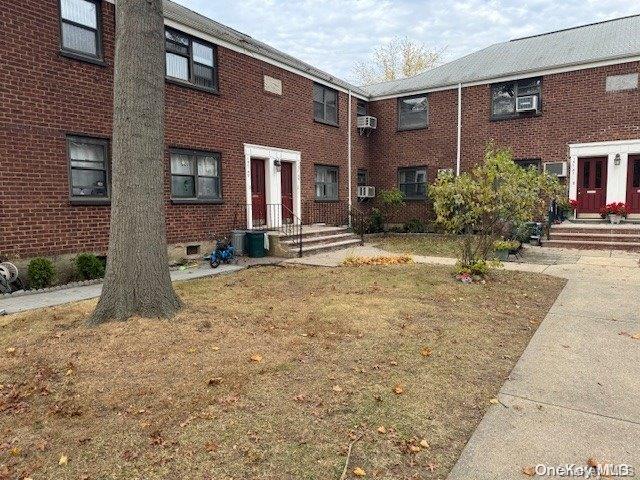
{"type": "Point", "coordinates": [272, 85]}
{"type": "Point", "coordinates": [618, 83]}
{"type": "Point", "coordinates": [193, 250]}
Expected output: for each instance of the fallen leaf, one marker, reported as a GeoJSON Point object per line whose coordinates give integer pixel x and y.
{"type": "Point", "coordinates": [337, 388]}
{"type": "Point", "coordinates": [256, 358]}
{"type": "Point", "coordinates": [398, 389]}
{"type": "Point", "coordinates": [636, 336]}
{"type": "Point", "coordinates": [358, 472]}
{"type": "Point", "coordinates": [69, 372]}
{"type": "Point", "coordinates": [424, 443]}
{"type": "Point", "coordinates": [592, 462]}
{"type": "Point", "coordinates": [192, 350]}
{"type": "Point", "coordinates": [11, 351]}
{"type": "Point", "coordinates": [382, 430]}
{"type": "Point", "coordinates": [426, 352]}
{"type": "Point", "coordinates": [214, 381]}
{"type": "Point", "coordinates": [414, 448]}
{"type": "Point", "coordinates": [529, 471]}
{"type": "Point", "coordinates": [494, 401]}
{"type": "Point", "coordinates": [15, 451]}
{"type": "Point", "coordinates": [215, 349]}
{"type": "Point", "coordinates": [63, 460]}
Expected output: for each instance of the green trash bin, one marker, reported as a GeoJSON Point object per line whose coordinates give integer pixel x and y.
{"type": "Point", "coordinates": [255, 244]}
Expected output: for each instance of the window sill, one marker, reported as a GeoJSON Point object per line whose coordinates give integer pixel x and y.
{"type": "Point", "coordinates": [89, 202]}
{"type": "Point", "coordinates": [323, 200]}
{"type": "Point", "coordinates": [195, 201]}
{"type": "Point", "coordinates": [182, 83]}
{"type": "Point", "coordinates": [411, 129]}
{"type": "Point", "coordinates": [514, 117]}
{"type": "Point", "coordinates": [83, 58]}
{"type": "Point", "coordinates": [323, 122]}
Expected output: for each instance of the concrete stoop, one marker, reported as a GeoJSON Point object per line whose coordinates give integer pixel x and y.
{"type": "Point", "coordinates": [594, 237]}
{"type": "Point", "coordinates": [313, 242]}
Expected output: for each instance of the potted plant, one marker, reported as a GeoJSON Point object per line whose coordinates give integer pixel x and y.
{"type": "Point", "coordinates": [502, 248]}
{"type": "Point", "coordinates": [615, 212]}
{"type": "Point", "coordinates": [574, 208]}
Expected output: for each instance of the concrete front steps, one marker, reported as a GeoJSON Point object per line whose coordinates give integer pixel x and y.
{"type": "Point", "coordinates": [594, 237]}
{"type": "Point", "coordinates": [321, 239]}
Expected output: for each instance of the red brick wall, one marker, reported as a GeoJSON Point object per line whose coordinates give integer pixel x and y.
{"type": "Point", "coordinates": [44, 97]}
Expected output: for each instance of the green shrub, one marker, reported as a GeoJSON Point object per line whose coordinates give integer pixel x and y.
{"type": "Point", "coordinates": [415, 226]}
{"type": "Point", "coordinates": [392, 197]}
{"type": "Point", "coordinates": [506, 245]}
{"type": "Point", "coordinates": [89, 266]}
{"type": "Point", "coordinates": [479, 268]}
{"type": "Point", "coordinates": [41, 273]}
{"type": "Point", "coordinates": [376, 221]}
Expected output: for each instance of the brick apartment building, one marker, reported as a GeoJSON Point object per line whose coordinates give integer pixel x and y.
{"type": "Point", "coordinates": [254, 135]}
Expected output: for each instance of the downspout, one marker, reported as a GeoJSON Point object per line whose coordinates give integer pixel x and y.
{"type": "Point", "coordinates": [349, 158]}
{"type": "Point", "coordinates": [459, 129]}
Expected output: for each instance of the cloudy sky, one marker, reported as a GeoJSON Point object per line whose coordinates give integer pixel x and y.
{"type": "Point", "coordinates": [333, 34]}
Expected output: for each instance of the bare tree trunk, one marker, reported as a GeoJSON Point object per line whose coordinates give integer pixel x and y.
{"type": "Point", "coordinates": [137, 280]}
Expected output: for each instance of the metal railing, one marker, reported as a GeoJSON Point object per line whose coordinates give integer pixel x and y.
{"type": "Point", "coordinates": [272, 217]}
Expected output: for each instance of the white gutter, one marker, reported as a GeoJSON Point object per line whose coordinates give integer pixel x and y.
{"type": "Point", "coordinates": [459, 129]}
{"type": "Point", "coordinates": [349, 158]}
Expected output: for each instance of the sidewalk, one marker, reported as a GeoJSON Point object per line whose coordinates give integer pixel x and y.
{"type": "Point", "coordinates": [76, 294]}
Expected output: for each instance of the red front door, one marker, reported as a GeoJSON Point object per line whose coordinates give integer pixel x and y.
{"type": "Point", "coordinates": [258, 197]}
{"type": "Point", "coordinates": [592, 184]}
{"type": "Point", "coordinates": [633, 184]}
{"type": "Point", "coordinates": [286, 184]}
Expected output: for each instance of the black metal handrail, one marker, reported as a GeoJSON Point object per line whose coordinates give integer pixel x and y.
{"type": "Point", "coordinates": [273, 217]}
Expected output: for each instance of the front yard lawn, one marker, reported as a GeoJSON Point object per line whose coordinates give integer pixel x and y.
{"type": "Point", "coordinates": [432, 245]}
{"type": "Point", "coordinates": [267, 374]}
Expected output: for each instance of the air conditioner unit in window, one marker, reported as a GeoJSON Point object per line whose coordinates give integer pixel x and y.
{"type": "Point", "coordinates": [557, 169]}
{"type": "Point", "coordinates": [366, 192]}
{"type": "Point", "coordinates": [368, 122]}
{"type": "Point", "coordinates": [527, 103]}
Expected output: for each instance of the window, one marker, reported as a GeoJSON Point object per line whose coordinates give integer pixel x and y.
{"type": "Point", "coordinates": [363, 177]}
{"type": "Point", "coordinates": [325, 104]}
{"type": "Point", "coordinates": [195, 176]}
{"type": "Point", "coordinates": [80, 27]}
{"type": "Point", "coordinates": [326, 182]}
{"type": "Point", "coordinates": [362, 108]}
{"type": "Point", "coordinates": [412, 112]}
{"type": "Point", "coordinates": [88, 168]}
{"type": "Point", "coordinates": [504, 95]}
{"type": "Point", "coordinates": [529, 163]}
{"type": "Point", "coordinates": [191, 60]}
{"type": "Point", "coordinates": [413, 182]}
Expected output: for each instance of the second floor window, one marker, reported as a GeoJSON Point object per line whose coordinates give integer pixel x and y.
{"type": "Point", "coordinates": [362, 108]}
{"type": "Point", "coordinates": [412, 112]}
{"type": "Point", "coordinates": [191, 60]}
{"type": "Point", "coordinates": [504, 97]}
{"type": "Point", "coordinates": [363, 177]}
{"type": "Point", "coordinates": [325, 104]}
{"type": "Point", "coordinates": [80, 27]}
{"type": "Point", "coordinates": [195, 176]}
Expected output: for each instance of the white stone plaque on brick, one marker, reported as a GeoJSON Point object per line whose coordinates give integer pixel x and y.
{"type": "Point", "coordinates": [272, 85]}
{"type": "Point", "coordinates": [616, 83]}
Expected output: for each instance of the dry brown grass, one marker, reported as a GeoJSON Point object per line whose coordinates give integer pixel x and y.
{"type": "Point", "coordinates": [433, 245]}
{"type": "Point", "coordinates": [183, 399]}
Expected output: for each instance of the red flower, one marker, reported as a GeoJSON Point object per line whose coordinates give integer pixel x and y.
{"type": "Point", "coordinates": [574, 204]}
{"type": "Point", "coordinates": [618, 208]}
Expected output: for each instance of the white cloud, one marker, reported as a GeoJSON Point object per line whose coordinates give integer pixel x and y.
{"type": "Point", "coordinates": [334, 34]}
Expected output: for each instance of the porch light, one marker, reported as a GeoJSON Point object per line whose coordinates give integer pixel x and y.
{"type": "Point", "coordinates": [617, 160]}
{"type": "Point", "coordinates": [278, 164]}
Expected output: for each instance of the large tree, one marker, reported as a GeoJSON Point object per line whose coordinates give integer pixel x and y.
{"type": "Point", "coordinates": [137, 280]}
{"type": "Point", "coordinates": [398, 58]}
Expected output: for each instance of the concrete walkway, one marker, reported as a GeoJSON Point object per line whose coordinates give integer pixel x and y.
{"type": "Point", "coordinates": [69, 295]}
{"type": "Point", "coordinates": [575, 392]}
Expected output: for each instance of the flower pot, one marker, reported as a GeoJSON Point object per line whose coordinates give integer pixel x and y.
{"type": "Point", "coordinates": [615, 219]}
{"type": "Point", "coordinates": [502, 255]}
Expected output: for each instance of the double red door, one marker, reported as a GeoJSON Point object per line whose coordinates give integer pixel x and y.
{"type": "Point", "coordinates": [633, 184]}
{"type": "Point", "coordinates": [286, 184]}
{"type": "Point", "coordinates": [592, 184]}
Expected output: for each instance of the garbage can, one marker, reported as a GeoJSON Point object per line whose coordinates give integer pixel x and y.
{"type": "Point", "coordinates": [255, 244]}
{"type": "Point", "coordinates": [237, 240]}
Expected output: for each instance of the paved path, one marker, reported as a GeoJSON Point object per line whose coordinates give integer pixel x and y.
{"type": "Point", "coordinates": [575, 392]}
{"type": "Point", "coordinates": [69, 295]}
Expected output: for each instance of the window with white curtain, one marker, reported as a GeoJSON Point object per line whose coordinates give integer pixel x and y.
{"type": "Point", "coordinates": [191, 60]}
{"type": "Point", "coordinates": [80, 27]}
{"type": "Point", "coordinates": [88, 167]}
{"type": "Point", "coordinates": [195, 175]}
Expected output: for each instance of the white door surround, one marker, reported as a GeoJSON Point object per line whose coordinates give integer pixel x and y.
{"type": "Point", "coordinates": [616, 174]}
{"type": "Point", "coordinates": [272, 183]}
